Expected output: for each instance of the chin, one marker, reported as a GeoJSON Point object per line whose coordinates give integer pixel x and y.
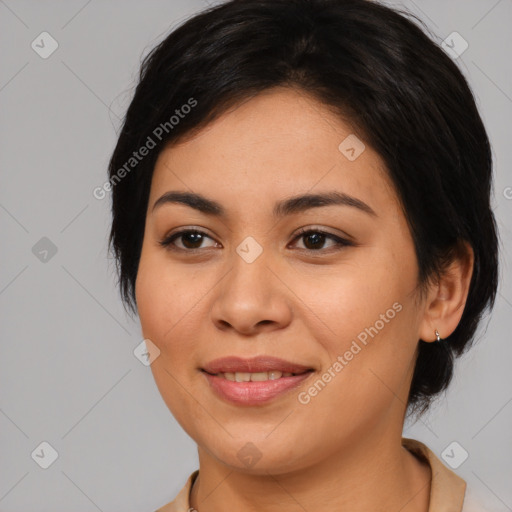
{"type": "Point", "coordinates": [258, 455]}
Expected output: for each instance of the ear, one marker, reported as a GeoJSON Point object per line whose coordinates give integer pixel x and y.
{"type": "Point", "coordinates": [446, 299]}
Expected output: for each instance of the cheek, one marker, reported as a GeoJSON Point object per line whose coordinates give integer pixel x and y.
{"type": "Point", "coordinates": [163, 305]}
{"type": "Point", "coordinates": [150, 300]}
{"type": "Point", "coordinates": [365, 315]}
{"type": "Point", "coordinates": [165, 300]}
{"type": "Point", "coordinates": [172, 305]}
{"type": "Point", "coordinates": [351, 299]}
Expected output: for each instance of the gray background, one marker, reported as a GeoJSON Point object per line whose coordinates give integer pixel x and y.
{"type": "Point", "coordinates": [68, 373]}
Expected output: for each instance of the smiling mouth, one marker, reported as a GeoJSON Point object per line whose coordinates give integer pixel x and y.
{"type": "Point", "coordinates": [255, 376]}
{"type": "Point", "coordinates": [254, 381]}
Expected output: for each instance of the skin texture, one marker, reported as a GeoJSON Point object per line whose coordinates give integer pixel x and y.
{"type": "Point", "coordinates": [341, 450]}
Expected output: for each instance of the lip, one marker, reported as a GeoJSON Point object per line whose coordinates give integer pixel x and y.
{"type": "Point", "coordinates": [235, 364]}
{"type": "Point", "coordinates": [254, 393]}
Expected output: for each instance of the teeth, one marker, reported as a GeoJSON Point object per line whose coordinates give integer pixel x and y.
{"type": "Point", "coordinates": [260, 376]}
{"type": "Point", "coordinates": [254, 377]}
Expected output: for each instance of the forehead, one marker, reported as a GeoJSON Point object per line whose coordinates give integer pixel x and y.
{"type": "Point", "coordinates": [279, 143]}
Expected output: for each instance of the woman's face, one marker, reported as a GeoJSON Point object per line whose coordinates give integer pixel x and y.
{"type": "Point", "coordinates": [250, 285]}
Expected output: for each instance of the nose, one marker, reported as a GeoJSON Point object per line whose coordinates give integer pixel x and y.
{"type": "Point", "coordinates": [251, 299]}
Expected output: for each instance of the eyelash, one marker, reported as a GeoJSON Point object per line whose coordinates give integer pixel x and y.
{"type": "Point", "coordinates": [168, 242]}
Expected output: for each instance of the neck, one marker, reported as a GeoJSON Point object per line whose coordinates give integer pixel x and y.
{"type": "Point", "coordinates": [376, 473]}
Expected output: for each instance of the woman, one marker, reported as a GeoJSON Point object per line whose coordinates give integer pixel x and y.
{"type": "Point", "coordinates": [301, 219]}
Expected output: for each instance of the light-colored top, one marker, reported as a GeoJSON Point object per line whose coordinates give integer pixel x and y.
{"type": "Point", "coordinates": [447, 489]}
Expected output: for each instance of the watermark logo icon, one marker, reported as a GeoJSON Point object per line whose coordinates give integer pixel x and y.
{"type": "Point", "coordinates": [44, 45]}
{"type": "Point", "coordinates": [454, 455]}
{"type": "Point", "coordinates": [44, 455]}
{"type": "Point", "coordinates": [351, 147]}
{"type": "Point", "coordinates": [44, 250]}
{"type": "Point", "coordinates": [146, 352]}
{"type": "Point", "coordinates": [249, 455]}
{"type": "Point", "coordinates": [454, 45]}
{"type": "Point", "coordinates": [249, 249]}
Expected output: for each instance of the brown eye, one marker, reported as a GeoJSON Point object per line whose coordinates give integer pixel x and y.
{"type": "Point", "coordinates": [314, 240]}
{"type": "Point", "coordinates": [190, 240]}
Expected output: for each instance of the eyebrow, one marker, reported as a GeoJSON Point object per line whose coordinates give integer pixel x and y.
{"type": "Point", "coordinates": [289, 206]}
